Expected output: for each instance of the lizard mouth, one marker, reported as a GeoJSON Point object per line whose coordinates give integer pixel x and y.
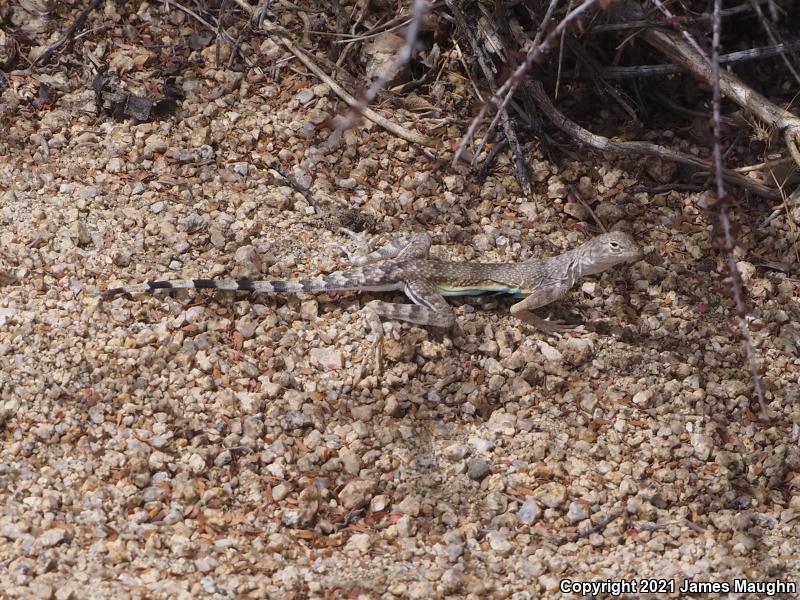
{"type": "Point", "coordinates": [636, 256]}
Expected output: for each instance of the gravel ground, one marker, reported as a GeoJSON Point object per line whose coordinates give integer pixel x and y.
{"type": "Point", "coordinates": [218, 445]}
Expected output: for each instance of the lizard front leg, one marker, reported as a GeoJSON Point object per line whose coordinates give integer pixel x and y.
{"type": "Point", "coordinates": [524, 310]}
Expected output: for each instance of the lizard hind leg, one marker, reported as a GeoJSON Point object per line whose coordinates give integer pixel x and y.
{"type": "Point", "coordinates": [416, 246]}
{"type": "Point", "coordinates": [429, 309]}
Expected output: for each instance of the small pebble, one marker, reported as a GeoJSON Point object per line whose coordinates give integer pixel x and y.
{"type": "Point", "coordinates": [477, 468]}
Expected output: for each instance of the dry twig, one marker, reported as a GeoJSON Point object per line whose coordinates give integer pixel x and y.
{"type": "Point", "coordinates": [684, 50]}
{"type": "Point", "coordinates": [418, 12]}
{"type": "Point", "coordinates": [503, 95]}
{"type": "Point", "coordinates": [725, 59]}
{"type": "Point", "coordinates": [640, 23]}
{"type": "Point", "coordinates": [642, 148]}
{"type": "Point", "coordinates": [215, 29]}
{"type": "Point", "coordinates": [292, 181]}
{"type": "Point", "coordinates": [401, 132]}
{"type": "Point", "coordinates": [723, 223]}
{"type": "Point", "coordinates": [518, 156]}
{"type": "Point", "coordinates": [68, 34]}
{"type": "Point", "coordinates": [411, 136]}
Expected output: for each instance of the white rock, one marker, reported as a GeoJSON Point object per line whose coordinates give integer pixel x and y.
{"type": "Point", "coordinates": [381, 51]}
{"type": "Point", "coordinates": [556, 188]}
{"type": "Point", "coordinates": [197, 464]}
{"type": "Point", "coordinates": [406, 527]}
{"type": "Point", "coordinates": [410, 505]}
{"type": "Point", "coordinates": [503, 423]}
{"type": "Point", "coordinates": [529, 512]}
{"type": "Point", "coordinates": [327, 358]}
{"type": "Point", "coordinates": [51, 537]}
{"type": "Point", "coordinates": [309, 309]}
{"type": "Point", "coordinates": [577, 512]}
{"type": "Point", "coordinates": [703, 444]}
{"type": "Point", "coordinates": [747, 271]}
{"type": "Point", "coordinates": [528, 210]}
{"type": "Point", "coordinates": [480, 444]}
{"type": "Point", "coordinates": [499, 543]}
{"type": "Point", "coordinates": [454, 183]}
{"type": "Point", "coordinates": [6, 314]}
{"type": "Point", "coordinates": [350, 461]}
{"type": "Point", "coordinates": [304, 95]}
{"type": "Point", "coordinates": [115, 165]}
{"type": "Point", "coordinates": [492, 366]}
{"type": "Point", "coordinates": [356, 493]}
{"type": "Point", "coordinates": [379, 503]}
{"type": "Point", "coordinates": [550, 353]}
{"type": "Point", "coordinates": [455, 451]}
{"type": "Point", "coordinates": [359, 542]}
{"type": "Point", "coordinates": [551, 494]}
{"type": "Point", "coordinates": [643, 397]}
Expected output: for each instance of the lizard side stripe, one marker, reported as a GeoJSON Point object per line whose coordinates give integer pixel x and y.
{"type": "Point", "coordinates": [446, 290]}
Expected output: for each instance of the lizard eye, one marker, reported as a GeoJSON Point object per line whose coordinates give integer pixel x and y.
{"type": "Point", "coordinates": [614, 245]}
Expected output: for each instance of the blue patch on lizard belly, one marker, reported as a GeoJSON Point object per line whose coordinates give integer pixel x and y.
{"type": "Point", "coordinates": [446, 290]}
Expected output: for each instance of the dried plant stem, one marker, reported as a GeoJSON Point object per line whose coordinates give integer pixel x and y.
{"type": "Point", "coordinates": [533, 56]}
{"type": "Point", "coordinates": [723, 223]}
{"type": "Point", "coordinates": [641, 148]}
{"type": "Point", "coordinates": [503, 95]}
{"type": "Point", "coordinates": [518, 157]}
{"type": "Point", "coordinates": [640, 23]}
{"type": "Point", "coordinates": [418, 12]}
{"type": "Point", "coordinates": [725, 59]}
{"type": "Point", "coordinates": [548, 16]}
{"type": "Point", "coordinates": [292, 181]}
{"type": "Point", "coordinates": [216, 29]}
{"type": "Point", "coordinates": [68, 34]}
{"type": "Point", "coordinates": [683, 49]}
{"type": "Point", "coordinates": [390, 126]}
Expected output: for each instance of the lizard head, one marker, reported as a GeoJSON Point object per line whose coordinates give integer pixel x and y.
{"type": "Point", "coordinates": [608, 250]}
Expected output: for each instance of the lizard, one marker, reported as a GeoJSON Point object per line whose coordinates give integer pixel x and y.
{"type": "Point", "coordinates": [405, 265]}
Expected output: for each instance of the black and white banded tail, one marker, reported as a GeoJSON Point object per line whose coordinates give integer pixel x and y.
{"type": "Point", "coordinates": [367, 278]}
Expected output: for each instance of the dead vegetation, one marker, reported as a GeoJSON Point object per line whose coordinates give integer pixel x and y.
{"type": "Point", "coordinates": [521, 64]}
{"type": "Point", "coordinates": [605, 74]}
{"type": "Point", "coordinates": [223, 435]}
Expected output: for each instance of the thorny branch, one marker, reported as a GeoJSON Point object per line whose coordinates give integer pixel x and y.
{"type": "Point", "coordinates": [684, 50]}
{"type": "Point", "coordinates": [418, 11]}
{"type": "Point", "coordinates": [638, 148]}
{"type": "Point", "coordinates": [503, 95]}
{"type": "Point", "coordinates": [723, 223]}
{"type": "Point", "coordinates": [68, 34]}
{"type": "Point", "coordinates": [520, 171]}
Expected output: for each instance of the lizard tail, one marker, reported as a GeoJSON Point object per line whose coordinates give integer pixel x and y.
{"type": "Point", "coordinates": [354, 279]}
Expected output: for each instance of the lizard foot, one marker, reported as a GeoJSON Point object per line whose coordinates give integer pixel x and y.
{"type": "Point", "coordinates": [376, 327]}
{"type": "Point", "coordinates": [361, 242]}
{"type": "Point", "coordinates": [545, 326]}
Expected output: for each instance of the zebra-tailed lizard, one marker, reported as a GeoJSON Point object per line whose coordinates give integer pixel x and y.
{"type": "Point", "coordinates": [405, 265]}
